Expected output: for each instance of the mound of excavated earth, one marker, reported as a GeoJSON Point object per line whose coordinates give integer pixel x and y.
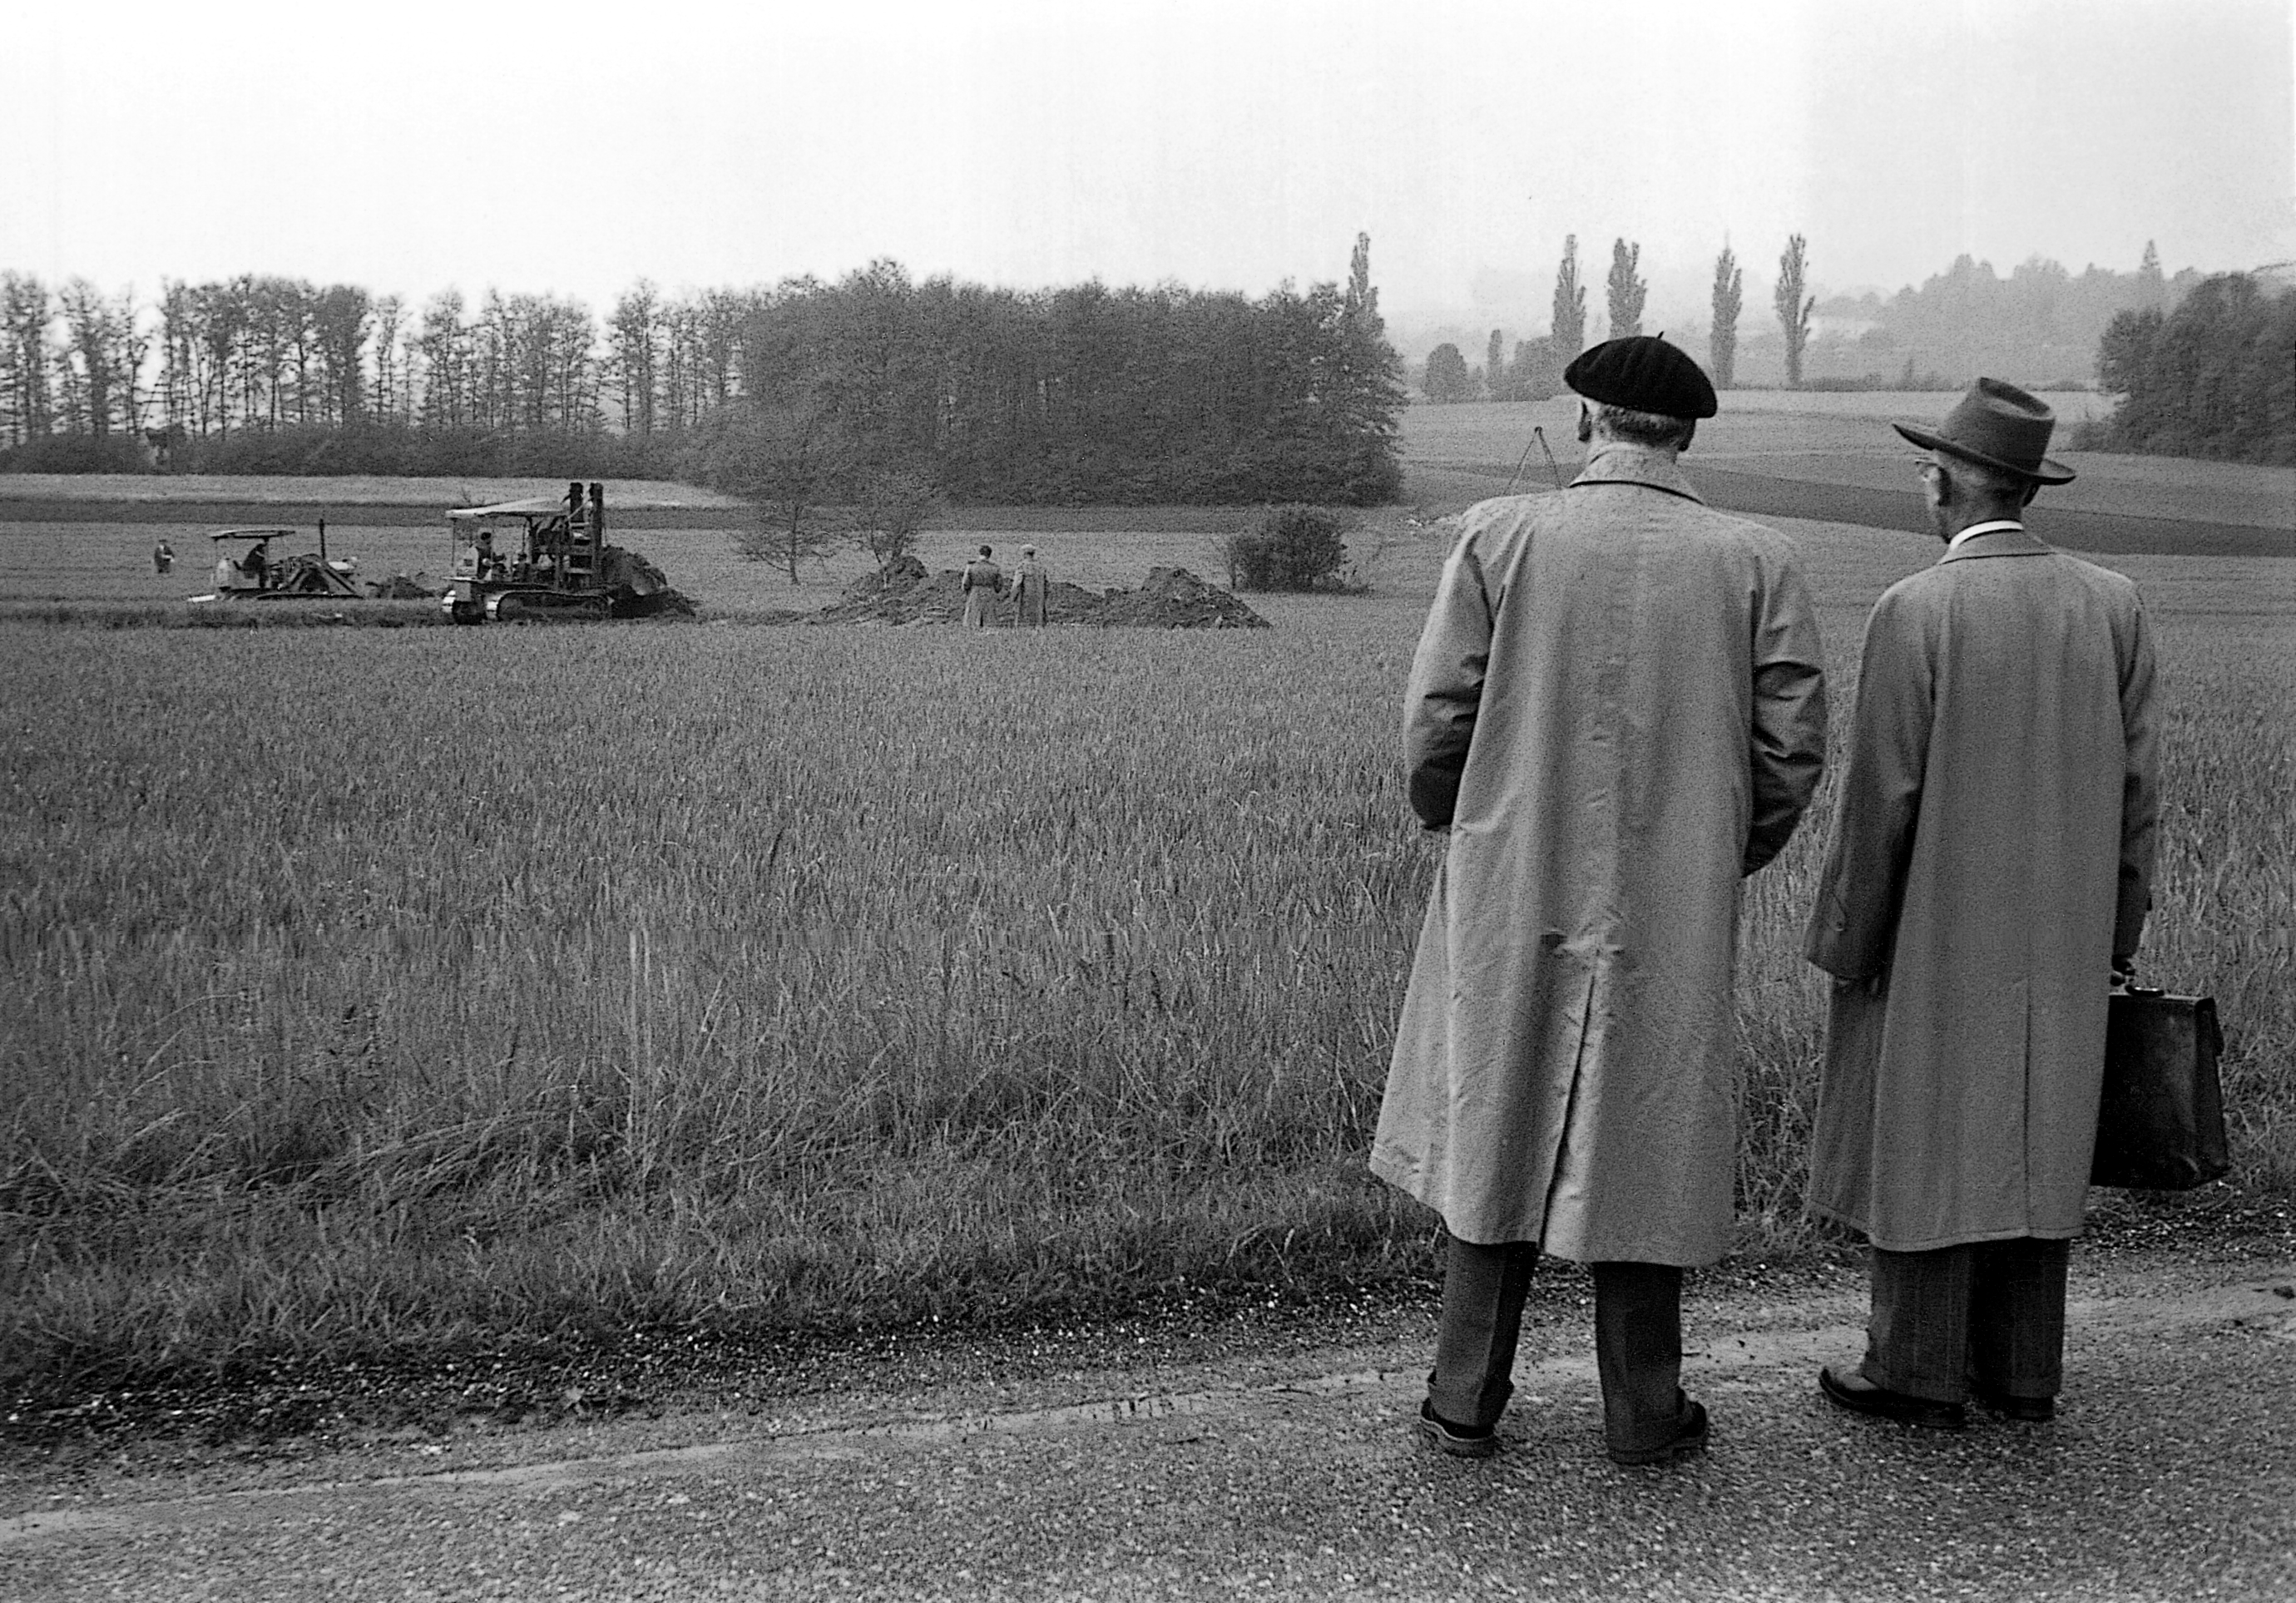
{"type": "Point", "coordinates": [1172, 598]}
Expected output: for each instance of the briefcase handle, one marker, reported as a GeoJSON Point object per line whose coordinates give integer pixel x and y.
{"type": "Point", "coordinates": [2215, 1023]}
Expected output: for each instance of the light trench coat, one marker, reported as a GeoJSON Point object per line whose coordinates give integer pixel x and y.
{"type": "Point", "coordinates": [1618, 707]}
{"type": "Point", "coordinates": [1993, 852]}
{"type": "Point", "coordinates": [1029, 582]}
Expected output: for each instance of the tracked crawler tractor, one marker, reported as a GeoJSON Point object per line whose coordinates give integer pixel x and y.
{"type": "Point", "coordinates": [546, 560]}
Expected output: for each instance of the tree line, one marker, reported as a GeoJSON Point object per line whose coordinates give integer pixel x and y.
{"type": "Point", "coordinates": [2041, 326]}
{"type": "Point", "coordinates": [1076, 394]}
{"type": "Point", "coordinates": [2215, 377]}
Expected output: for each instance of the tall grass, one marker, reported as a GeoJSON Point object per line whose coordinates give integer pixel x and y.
{"type": "Point", "coordinates": [611, 974]}
{"type": "Point", "coordinates": [359, 989]}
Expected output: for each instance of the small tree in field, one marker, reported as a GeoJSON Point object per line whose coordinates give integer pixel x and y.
{"type": "Point", "coordinates": [1295, 547]}
{"type": "Point", "coordinates": [1447, 379]}
{"type": "Point", "coordinates": [896, 507]}
{"type": "Point", "coordinates": [790, 461]}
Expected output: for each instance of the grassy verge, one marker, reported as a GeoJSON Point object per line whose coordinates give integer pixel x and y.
{"type": "Point", "coordinates": [498, 984]}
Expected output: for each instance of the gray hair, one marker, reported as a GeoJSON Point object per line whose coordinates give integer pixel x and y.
{"type": "Point", "coordinates": [1642, 428]}
{"type": "Point", "coordinates": [1983, 483]}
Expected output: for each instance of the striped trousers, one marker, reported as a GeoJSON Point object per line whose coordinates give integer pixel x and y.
{"type": "Point", "coordinates": [1986, 1314]}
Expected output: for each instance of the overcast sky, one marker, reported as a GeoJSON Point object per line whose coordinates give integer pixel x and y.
{"type": "Point", "coordinates": [573, 147]}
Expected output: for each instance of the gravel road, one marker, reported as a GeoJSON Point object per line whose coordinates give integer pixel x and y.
{"type": "Point", "coordinates": [2171, 1474]}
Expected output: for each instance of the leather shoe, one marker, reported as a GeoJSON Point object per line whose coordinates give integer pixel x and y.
{"type": "Point", "coordinates": [1860, 1395]}
{"type": "Point", "coordinates": [1689, 1438]}
{"type": "Point", "coordinates": [2032, 1410]}
{"type": "Point", "coordinates": [1460, 1441]}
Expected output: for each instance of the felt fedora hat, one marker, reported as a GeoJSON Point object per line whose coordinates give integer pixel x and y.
{"type": "Point", "coordinates": [1998, 426]}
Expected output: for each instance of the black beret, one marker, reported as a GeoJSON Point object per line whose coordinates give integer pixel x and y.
{"type": "Point", "coordinates": [1645, 374]}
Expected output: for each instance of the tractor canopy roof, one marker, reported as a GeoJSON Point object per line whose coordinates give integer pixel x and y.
{"type": "Point", "coordinates": [252, 534]}
{"type": "Point", "coordinates": [538, 506]}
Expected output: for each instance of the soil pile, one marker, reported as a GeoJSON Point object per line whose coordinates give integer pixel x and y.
{"type": "Point", "coordinates": [639, 588]}
{"type": "Point", "coordinates": [1172, 598]}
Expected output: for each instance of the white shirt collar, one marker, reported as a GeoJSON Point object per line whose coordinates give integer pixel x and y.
{"type": "Point", "coordinates": [1994, 527]}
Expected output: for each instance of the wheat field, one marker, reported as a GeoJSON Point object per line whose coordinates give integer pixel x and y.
{"type": "Point", "coordinates": [364, 989]}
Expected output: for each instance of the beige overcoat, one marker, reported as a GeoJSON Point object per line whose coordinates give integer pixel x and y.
{"type": "Point", "coordinates": [1618, 707]}
{"type": "Point", "coordinates": [1029, 582]}
{"type": "Point", "coordinates": [1992, 853]}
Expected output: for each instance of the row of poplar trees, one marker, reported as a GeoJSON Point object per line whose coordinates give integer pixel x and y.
{"type": "Point", "coordinates": [1534, 370]}
{"type": "Point", "coordinates": [1079, 393]}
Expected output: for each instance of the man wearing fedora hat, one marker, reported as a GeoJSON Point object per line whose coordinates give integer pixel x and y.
{"type": "Point", "coordinates": [1615, 711]}
{"type": "Point", "coordinates": [1986, 883]}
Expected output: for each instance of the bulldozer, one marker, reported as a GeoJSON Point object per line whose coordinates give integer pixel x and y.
{"type": "Point", "coordinates": [551, 563]}
{"type": "Point", "coordinates": [246, 570]}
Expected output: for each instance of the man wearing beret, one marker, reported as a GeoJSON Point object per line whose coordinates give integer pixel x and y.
{"type": "Point", "coordinates": [1616, 712]}
{"type": "Point", "coordinates": [1986, 883]}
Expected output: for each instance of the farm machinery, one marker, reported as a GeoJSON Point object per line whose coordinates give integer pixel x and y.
{"type": "Point", "coordinates": [546, 560]}
{"type": "Point", "coordinates": [246, 568]}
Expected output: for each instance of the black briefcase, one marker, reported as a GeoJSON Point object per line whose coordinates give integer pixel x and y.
{"type": "Point", "coordinates": [2160, 1124]}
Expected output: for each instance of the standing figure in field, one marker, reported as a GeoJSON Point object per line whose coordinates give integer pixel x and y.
{"type": "Point", "coordinates": [1029, 582]}
{"type": "Point", "coordinates": [1986, 884]}
{"type": "Point", "coordinates": [1616, 711]}
{"type": "Point", "coordinates": [163, 559]}
{"type": "Point", "coordinates": [984, 581]}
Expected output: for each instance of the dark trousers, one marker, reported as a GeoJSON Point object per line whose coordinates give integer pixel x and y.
{"type": "Point", "coordinates": [1989, 1314]}
{"type": "Point", "coordinates": [1638, 1341]}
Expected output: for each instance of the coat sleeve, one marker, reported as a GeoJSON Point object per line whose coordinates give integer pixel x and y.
{"type": "Point", "coordinates": [1447, 687]}
{"type": "Point", "coordinates": [1788, 747]}
{"type": "Point", "coordinates": [2140, 789]}
{"type": "Point", "coordinates": [1852, 927]}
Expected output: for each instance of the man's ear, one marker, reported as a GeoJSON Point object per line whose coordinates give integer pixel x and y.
{"type": "Point", "coordinates": [1937, 488]}
{"type": "Point", "coordinates": [2032, 488]}
{"type": "Point", "coordinates": [1585, 422]}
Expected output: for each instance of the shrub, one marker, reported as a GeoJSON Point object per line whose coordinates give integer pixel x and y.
{"type": "Point", "coordinates": [1295, 547]}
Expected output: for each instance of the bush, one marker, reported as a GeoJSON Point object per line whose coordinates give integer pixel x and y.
{"type": "Point", "coordinates": [896, 507]}
{"type": "Point", "coordinates": [1295, 547]}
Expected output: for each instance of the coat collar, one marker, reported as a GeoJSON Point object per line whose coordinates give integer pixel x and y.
{"type": "Point", "coordinates": [1622, 461]}
{"type": "Point", "coordinates": [1998, 542]}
